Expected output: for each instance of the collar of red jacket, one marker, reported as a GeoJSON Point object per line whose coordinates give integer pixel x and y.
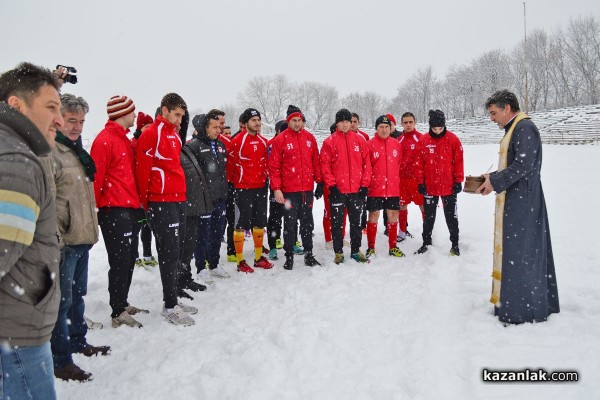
{"type": "Point", "coordinates": [169, 125]}
{"type": "Point", "coordinates": [116, 128]}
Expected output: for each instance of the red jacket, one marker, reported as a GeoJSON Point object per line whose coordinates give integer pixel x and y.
{"type": "Point", "coordinates": [158, 171]}
{"type": "Point", "coordinates": [385, 156]}
{"type": "Point", "coordinates": [363, 134]}
{"type": "Point", "coordinates": [409, 142]}
{"type": "Point", "coordinates": [345, 162]}
{"type": "Point", "coordinates": [439, 163]}
{"type": "Point", "coordinates": [229, 165]}
{"type": "Point", "coordinates": [225, 139]}
{"type": "Point", "coordinates": [248, 157]}
{"type": "Point", "coordinates": [114, 182]}
{"type": "Point", "coordinates": [294, 162]}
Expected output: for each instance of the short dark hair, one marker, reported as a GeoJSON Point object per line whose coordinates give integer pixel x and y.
{"type": "Point", "coordinates": [214, 115]}
{"type": "Point", "coordinates": [216, 111]}
{"type": "Point", "coordinates": [25, 80]}
{"type": "Point", "coordinates": [226, 127]}
{"type": "Point", "coordinates": [355, 115]}
{"type": "Point", "coordinates": [172, 101]}
{"type": "Point", "coordinates": [408, 114]}
{"type": "Point", "coordinates": [501, 98]}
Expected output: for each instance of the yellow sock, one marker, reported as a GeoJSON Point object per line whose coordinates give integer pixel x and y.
{"type": "Point", "coordinates": [257, 235]}
{"type": "Point", "coordinates": [238, 243]}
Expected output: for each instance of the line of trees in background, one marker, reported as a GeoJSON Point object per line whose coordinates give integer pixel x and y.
{"type": "Point", "coordinates": [563, 70]}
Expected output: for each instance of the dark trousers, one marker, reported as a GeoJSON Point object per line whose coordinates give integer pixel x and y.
{"type": "Point", "coordinates": [230, 217]}
{"type": "Point", "coordinates": [274, 221]}
{"type": "Point", "coordinates": [187, 252]}
{"type": "Point", "coordinates": [217, 229]}
{"type": "Point", "coordinates": [120, 229]}
{"type": "Point", "coordinates": [449, 203]}
{"type": "Point", "coordinates": [167, 221]}
{"type": "Point", "coordinates": [300, 210]}
{"type": "Point", "coordinates": [252, 206]}
{"type": "Point", "coordinates": [354, 203]}
{"type": "Point", "coordinates": [202, 241]}
{"type": "Point", "coordinates": [146, 236]}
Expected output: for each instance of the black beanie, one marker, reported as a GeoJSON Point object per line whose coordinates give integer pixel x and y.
{"type": "Point", "coordinates": [249, 113]}
{"type": "Point", "coordinates": [382, 119]}
{"type": "Point", "coordinates": [280, 126]}
{"type": "Point", "coordinates": [343, 115]}
{"type": "Point", "coordinates": [292, 109]}
{"type": "Point", "coordinates": [436, 118]}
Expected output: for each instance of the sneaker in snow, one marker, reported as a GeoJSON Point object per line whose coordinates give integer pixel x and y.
{"type": "Point", "coordinates": [263, 263]}
{"type": "Point", "coordinates": [247, 233]}
{"type": "Point", "coordinates": [289, 263]}
{"type": "Point", "coordinates": [231, 258]}
{"type": "Point", "coordinates": [194, 286]}
{"type": "Point", "coordinates": [273, 254]}
{"type": "Point", "coordinates": [88, 350]}
{"type": "Point", "coordinates": [177, 316]}
{"type": "Point", "coordinates": [125, 319]}
{"type": "Point", "coordinates": [244, 267]}
{"type": "Point", "coordinates": [93, 325]}
{"type": "Point", "coordinates": [139, 263]}
{"type": "Point", "coordinates": [150, 261]}
{"type": "Point", "coordinates": [370, 253]}
{"type": "Point", "coordinates": [359, 257]}
{"type": "Point", "coordinates": [219, 272]}
{"type": "Point", "coordinates": [408, 234]}
{"type": "Point", "coordinates": [278, 244]}
{"type": "Point", "coordinates": [396, 252]}
{"type": "Point", "coordinates": [329, 245]}
{"type": "Point", "coordinates": [188, 309]}
{"type": "Point", "coordinates": [310, 260]}
{"type": "Point", "coordinates": [346, 243]}
{"type": "Point", "coordinates": [401, 237]}
{"type": "Point", "coordinates": [131, 310]}
{"type": "Point", "coordinates": [364, 231]}
{"type": "Point", "coordinates": [455, 251]}
{"type": "Point", "coordinates": [421, 249]}
{"type": "Point", "coordinates": [72, 372]}
{"type": "Point", "coordinates": [183, 294]}
{"type": "Point", "coordinates": [339, 258]}
{"type": "Point", "coordinates": [205, 276]}
{"type": "Point", "coordinates": [298, 248]}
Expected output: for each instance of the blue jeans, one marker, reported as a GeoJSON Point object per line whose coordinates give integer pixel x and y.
{"type": "Point", "coordinates": [26, 373]}
{"type": "Point", "coordinates": [211, 228]}
{"type": "Point", "coordinates": [69, 332]}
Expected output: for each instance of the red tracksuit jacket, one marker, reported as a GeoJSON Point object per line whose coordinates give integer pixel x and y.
{"type": "Point", "coordinates": [248, 157]}
{"type": "Point", "coordinates": [345, 162]}
{"type": "Point", "coordinates": [158, 171]}
{"type": "Point", "coordinates": [294, 161]}
{"type": "Point", "coordinates": [409, 142]}
{"type": "Point", "coordinates": [439, 163]}
{"type": "Point", "coordinates": [386, 157]}
{"type": "Point", "coordinates": [114, 183]}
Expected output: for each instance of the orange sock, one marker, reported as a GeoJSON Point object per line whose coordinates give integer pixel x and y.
{"type": "Point", "coordinates": [238, 243]}
{"type": "Point", "coordinates": [257, 235]}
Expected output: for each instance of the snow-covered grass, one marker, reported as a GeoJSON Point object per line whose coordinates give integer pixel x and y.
{"type": "Point", "coordinates": [413, 328]}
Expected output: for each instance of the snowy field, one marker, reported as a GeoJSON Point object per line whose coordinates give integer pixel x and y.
{"type": "Point", "coordinates": [415, 328]}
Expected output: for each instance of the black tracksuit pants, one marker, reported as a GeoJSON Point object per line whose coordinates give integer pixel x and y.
{"type": "Point", "coordinates": [449, 203]}
{"type": "Point", "coordinates": [274, 221]}
{"type": "Point", "coordinates": [230, 216]}
{"type": "Point", "coordinates": [300, 210]}
{"type": "Point", "coordinates": [355, 204]}
{"type": "Point", "coordinates": [120, 229]}
{"type": "Point", "coordinates": [187, 251]}
{"type": "Point", "coordinates": [167, 221]}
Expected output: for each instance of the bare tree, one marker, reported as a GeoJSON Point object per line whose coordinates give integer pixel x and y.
{"type": "Point", "coordinates": [582, 47]}
{"type": "Point", "coordinates": [268, 94]}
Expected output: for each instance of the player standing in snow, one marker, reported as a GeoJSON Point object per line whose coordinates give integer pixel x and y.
{"type": "Point", "coordinates": [119, 210]}
{"type": "Point", "coordinates": [385, 155]}
{"type": "Point", "coordinates": [248, 153]}
{"type": "Point", "coordinates": [293, 170]}
{"type": "Point", "coordinates": [161, 185]}
{"type": "Point", "coordinates": [524, 279]}
{"type": "Point", "coordinates": [231, 213]}
{"type": "Point", "coordinates": [409, 191]}
{"type": "Point", "coordinates": [347, 172]}
{"type": "Point", "coordinates": [439, 171]}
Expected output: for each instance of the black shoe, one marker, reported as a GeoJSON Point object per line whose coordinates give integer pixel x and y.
{"type": "Point", "coordinates": [90, 350]}
{"type": "Point", "coordinates": [194, 286]}
{"type": "Point", "coordinates": [309, 260]}
{"type": "Point", "coordinates": [72, 373]}
{"type": "Point", "coordinates": [289, 263]}
{"type": "Point", "coordinates": [182, 293]}
{"type": "Point", "coordinates": [455, 251]}
{"type": "Point", "coordinates": [408, 234]}
{"type": "Point", "coordinates": [422, 249]}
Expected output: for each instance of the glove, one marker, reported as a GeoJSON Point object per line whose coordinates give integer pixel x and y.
{"type": "Point", "coordinates": [422, 189]}
{"type": "Point", "coordinates": [363, 191]}
{"type": "Point", "coordinates": [319, 191]}
{"type": "Point", "coordinates": [457, 187]}
{"type": "Point", "coordinates": [334, 194]}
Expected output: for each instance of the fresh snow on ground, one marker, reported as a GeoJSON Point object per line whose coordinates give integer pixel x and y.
{"type": "Point", "coordinates": [413, 328]}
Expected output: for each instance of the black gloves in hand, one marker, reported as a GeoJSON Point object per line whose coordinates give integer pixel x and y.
{"type": "Point", "coordinates": [319, 191]}
{"type": "Point", "coordinates": [457, 188]}
{"type": "Point", "coordinates": [422, 189]}
{"type": "Point", "coordinates": [334, 194]}
{"type": "Point", "coordinates": [363, 191]}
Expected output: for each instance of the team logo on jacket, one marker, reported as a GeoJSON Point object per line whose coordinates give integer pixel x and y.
{"type": "Point", "coordinates": [431, 148]}
{"type": "Point", "coordinates": [308, 144]}
{"type": "Point", "coordinates": [395, 153]}
{"type": "Point", "coordinates": [412, 146]}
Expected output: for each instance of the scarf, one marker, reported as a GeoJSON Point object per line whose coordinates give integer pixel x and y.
{"type": "Point", "coordinates": [84, 157]}
{"type": "Point", "coordinates": [499, 214]}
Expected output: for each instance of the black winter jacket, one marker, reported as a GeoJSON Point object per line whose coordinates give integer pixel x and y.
{"type": "Point", "coordinates": [198, 197]}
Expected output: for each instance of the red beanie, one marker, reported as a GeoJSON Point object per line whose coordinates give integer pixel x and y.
{"type": "Point", "coordinates": [143, 120]}
{"type": "Point", "coordinates": [119, 106]}
{"type": "Point", "coordinates": [296, 114]}
{"type": "Point", "coordinates": [391, 118]}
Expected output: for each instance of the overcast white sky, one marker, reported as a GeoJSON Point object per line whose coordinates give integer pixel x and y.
{"type": "Point", "coordinates": [207, 51]}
